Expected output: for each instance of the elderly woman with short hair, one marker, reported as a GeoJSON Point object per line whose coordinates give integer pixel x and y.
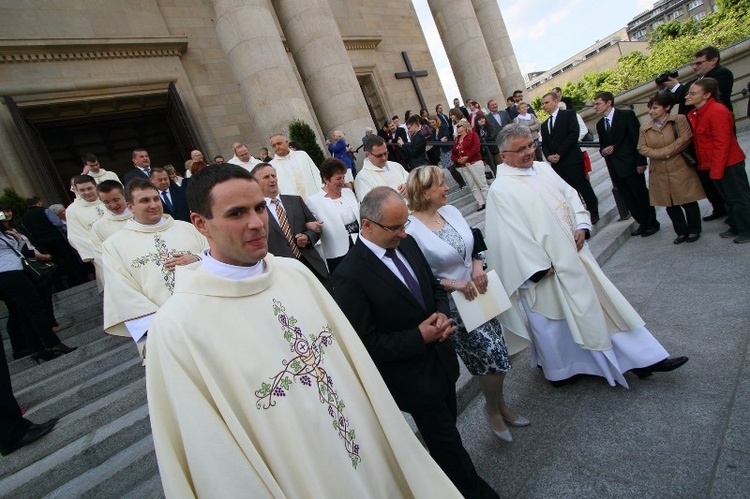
{"type": "Point", "coordinates": [337, 207]}
{"type": "Point", "coordinates": [449, 247]}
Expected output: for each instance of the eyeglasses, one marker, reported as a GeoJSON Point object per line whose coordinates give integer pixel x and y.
{"type": "Point", "coordinates": [392, 230]}
{"type": "Point", "coordinates": [698, 63]}
{"type": "Point", "coordinates": [523, 149]}
{"type": "Point", "coordinates": [382, 155]}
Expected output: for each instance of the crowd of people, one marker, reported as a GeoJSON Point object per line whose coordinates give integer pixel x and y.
{"type": "Point", "coordinates": [262, 293]}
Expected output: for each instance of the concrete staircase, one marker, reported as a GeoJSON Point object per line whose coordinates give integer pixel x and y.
{"type": "Point", "coordinates": [102, 445]}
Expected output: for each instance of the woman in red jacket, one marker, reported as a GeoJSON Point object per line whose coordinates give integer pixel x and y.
{"type": "Point", "coordinates": [467, 158]}
{"type": "Point", "coordinates": [719, 152]}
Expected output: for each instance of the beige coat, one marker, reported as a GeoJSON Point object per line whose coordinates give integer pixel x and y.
{"type": "Point", "coordinates": [671, 180]}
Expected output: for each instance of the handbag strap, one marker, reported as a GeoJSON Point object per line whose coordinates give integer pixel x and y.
{"type": "Point", "coordinates": [674, 127]}
{"type": "Point", "coordinates": [12, 248]}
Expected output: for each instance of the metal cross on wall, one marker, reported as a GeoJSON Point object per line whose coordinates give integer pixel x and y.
{"type": "Point", "coordinates": [413, 75]}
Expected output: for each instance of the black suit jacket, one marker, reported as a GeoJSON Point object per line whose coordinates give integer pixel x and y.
{"type": "Point", "coordinates": [415, 152]}
{"type": "Point", "coordinates": [679, 97]}
{"type": "Point", "coordinates": [564, 139]}
{"type": "Point", "coordinates": [623, 135]}
{"type": "Point", "coordinates": [38, 227]}
{"type": "Point", "coordinates": [387, 316]}
{"type": "Point", "coordinates": [131, 174]}
{"type": "Point", "coordinates": [725, 79]}
{"type": "Point", "coordinates": [180, 210]}
{"type": "Point", "coordinates": [297, 214]}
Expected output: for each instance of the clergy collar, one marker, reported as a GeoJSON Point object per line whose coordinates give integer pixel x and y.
{"type": "Point", "coordinates": [233, 272]}
{"type": "Point", "coordinates": [82, 202]}
{"type": "Point", "coordinates": [121, 216]}
{"type": "Point", "coordinates": [165, 223]}
{"type": "Point", "coordinates": [504, 169]}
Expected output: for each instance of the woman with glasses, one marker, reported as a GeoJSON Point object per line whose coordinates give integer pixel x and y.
{"type": "Point", "coordinates": [448, 244]}
{"type": "Point", "coordinates": [467, 157]}
{"type": "Point", "coordinates": [671, 181]}
{"type": "Point", "coordinates": [337, 207]}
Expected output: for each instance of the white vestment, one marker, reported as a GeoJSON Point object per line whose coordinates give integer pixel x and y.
{"type": "Point", "coordinates": [104, 175]}
{"type": "Point", "coordinates": [580, 322]}
{"type": "Point", "coordinates": [100, 232]}
{"type": "Point", "coordinates": [259, 386]}
{"type": "Point", "coordinates": [80, 216]}
{"type": "Point", "coordinates": [137, 283]}
{"type": "Point", "coordinates": [371, 176]}
{"type": "Point", "coordinates": [247, 165]}
{"type": "Point", "coordinates": [297, 174]}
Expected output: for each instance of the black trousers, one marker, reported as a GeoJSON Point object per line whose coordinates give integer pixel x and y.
{"type": "Point", "coordinates": [713, 194]}
{"type": "Point", "coordinates": [686, 218]}
{"type": "Point", "coordinates": [27, 310]}
{"type": "Point", "coordinates": [736, 192]}
{"type": "Point", "coordinates": [437, 425]}
{"type": "Point", "coordinates": [634, 192]}
{"type": "Point", "coordinates": [12, 423]}
{"type": "Point", "coordinates": [575, 176]}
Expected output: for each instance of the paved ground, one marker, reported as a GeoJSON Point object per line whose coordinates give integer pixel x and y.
{"type": "Point", "coordinates": [681, 434]}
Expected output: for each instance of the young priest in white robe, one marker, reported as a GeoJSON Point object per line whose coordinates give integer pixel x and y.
{"type": "Point", "coordinates": [258, 385]}
{"type": "Point", "coordinates": [92, 168]}
{"type": "Point", "coordinates": [295, 170]}
{"type": "Point", "coordinates": [139, 262]}
{"type": "Point", "coordinates": [81, 215]}
{"type": "Point", "coordinates": [536, 228]}
{"type": "Point", "coordinates": [111, 194]}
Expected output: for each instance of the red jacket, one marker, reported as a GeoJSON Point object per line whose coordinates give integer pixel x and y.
{"type": "Point", "coordinates": [715, 142]}
{"type": "Point", "coordinates": [469, 147]}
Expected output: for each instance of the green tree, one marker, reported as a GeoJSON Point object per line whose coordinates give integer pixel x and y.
{"type": "Point", "coordinates": [16, 202]}
{"type": "Point", "coordinates": [304, 134]}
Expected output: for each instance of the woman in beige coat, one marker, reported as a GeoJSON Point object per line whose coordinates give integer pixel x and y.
{"type": "Point", "coordinates": [672, 182]}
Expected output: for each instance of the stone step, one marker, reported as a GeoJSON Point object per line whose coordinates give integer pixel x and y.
{"type": "Point", "coordinates": [122, 471]}
{"type": "Point", "coordinates": [76, 424]}
{"type": "Point", "coordinates": [81, 456]}
{"type": "Point", "coordinates": [149, 489]}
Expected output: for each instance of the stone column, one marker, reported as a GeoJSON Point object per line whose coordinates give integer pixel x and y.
{"type": "Point", "coordinates": [318, 50]}
{"type": "Point", "coordinates": [467, 52]}
{"type": "Point", "coordinates": [499, 46]}
{"type": "Point", "coordinates": [269, 88]}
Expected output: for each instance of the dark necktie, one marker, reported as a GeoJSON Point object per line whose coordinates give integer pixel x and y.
{"type": "Point", "coordinates": [607, 124]}
{"type": "Point", "coordinates": [551, 124]}
{"type": "Point", "coordinates": [166, 200]}
{"type": "Point", "coordinates": [284, 224]}
{"type": "Point", "coordinates": [411, 283]}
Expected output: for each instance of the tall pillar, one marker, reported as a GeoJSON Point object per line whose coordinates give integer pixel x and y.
{"type": "Point", "coordinates": [467, 52]}
{"type": "Point", "coordinates": [499, 46]}
{"type": "Point", "coordinates": [318, 50]}
{"type": "Point", "coordinates": [252, 43]}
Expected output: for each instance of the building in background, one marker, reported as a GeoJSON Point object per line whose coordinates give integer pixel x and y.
{"type": "Point", "coordinates": [106, 77]}
{"type": "Point", "coordinates": [664, 11]}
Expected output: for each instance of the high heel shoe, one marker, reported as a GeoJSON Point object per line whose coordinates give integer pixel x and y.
{"type": "Point", "coordinates": [503, 435]}
{"type": "Point", "coordinates": [45, 355]}
{"type": "Point", "coordinates": [62, 348]}
{"type": "Point", "coordinates": [519, 421]}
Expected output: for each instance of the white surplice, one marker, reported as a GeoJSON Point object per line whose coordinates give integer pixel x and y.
{"type": "Point", "coordinates": [100, 232]}
{"type": "Point", "coordinates": [370, 176]}
{"type": "Point", "coordinates": [258, 386]}
{"type": "Point", "coordinates": [580, 322]}
{"type": "Point", "coordinates": [80, 216]}
{"type": "Point", "coordinates": [103, 175]}
{"type": "Point", "coordinates": [137, 282]}
{"type": "Point", "coordinates": [297, 174]}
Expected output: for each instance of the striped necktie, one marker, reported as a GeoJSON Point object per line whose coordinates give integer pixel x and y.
{"type": "Point", "coordinates": [284, 224]}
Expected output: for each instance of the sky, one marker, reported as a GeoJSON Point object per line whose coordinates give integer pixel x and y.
{"type": "Point", "coordinates": [543, 32]}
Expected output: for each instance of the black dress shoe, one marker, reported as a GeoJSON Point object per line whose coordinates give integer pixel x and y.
{"type": "Point", "coordinates": [34, 433]}
{"type": "Point", "coordinates": [41, 355]}
{"type": "Point", "coordinates": [62, 348]}
{"type": "Point", "coordinates": [637, 232]}
{"type": "Point", "coordinates": [714, 216]}
{"type": "Point", "coordinates": [481, 208]}
{"type": "Point", "coordinates": [693, 238]}
{"type": "Point", "coordinates": [594, 220]}
{"type": "Point", "coordinates": [680, 239]}
{"type": "Point", "coordinates": [666, 365]}
{"type": "Point", "coordinates": [650, 231]}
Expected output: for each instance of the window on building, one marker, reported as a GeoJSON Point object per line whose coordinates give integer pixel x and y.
{"type": "Point", "coordinates": [694, 4]}
{"type": "Point", "coordinates": [675, 14]}
{"type": "Point", "coordinates": [640, 33]}
{"type": "Point", "coordinates": [657, 24]}
{"type": "Point", "coordinates": [700, 15]}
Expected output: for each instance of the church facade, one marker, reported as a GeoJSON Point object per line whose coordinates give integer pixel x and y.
{"type": "Point", "coordinates": [108, 76]}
